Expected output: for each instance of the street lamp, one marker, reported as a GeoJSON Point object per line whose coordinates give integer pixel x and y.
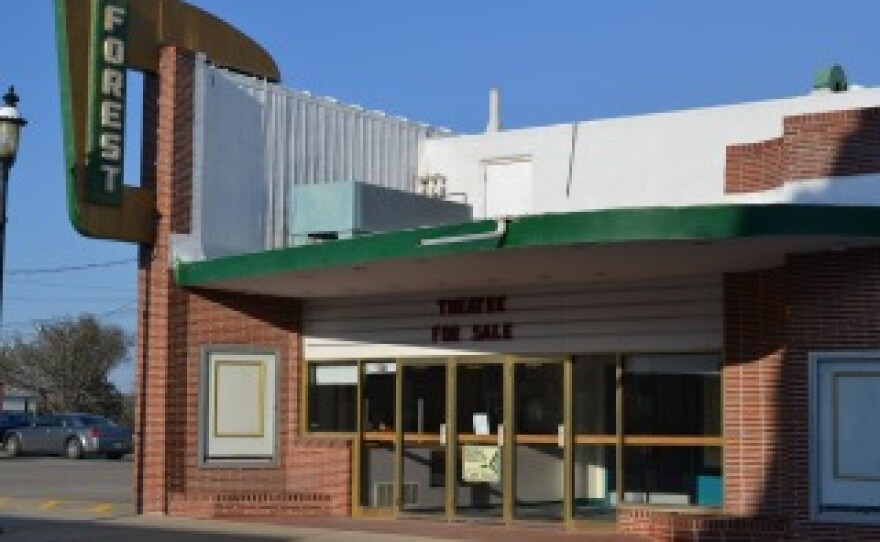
{"type": "Point", "coordinates": [10, 134]}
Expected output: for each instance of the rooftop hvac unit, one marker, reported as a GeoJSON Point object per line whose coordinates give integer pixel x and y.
{"type": "Point", "coordinates": [322, 212]}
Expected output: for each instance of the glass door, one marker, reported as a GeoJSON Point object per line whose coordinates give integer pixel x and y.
{"type": "Point", "coordinates": [479, 435]}
{"type": "Point", "coordinates": [539, 440]}
{"type": "Point", "coordinates": [421, 438]}
{"type": "Point", "coordinates": [375, 450]}
{"type": "Point", "coordinates": [595, 478]}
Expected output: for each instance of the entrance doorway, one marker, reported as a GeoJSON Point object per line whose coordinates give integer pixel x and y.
{"type": "Point", "coordinates": [476, 439]}
{"type": "Point", "coordinates": [479, 438]}
{"type": "Point", "coordinates": [421, 440]}
{"type": "Point", "coordinates": [509, 439]}
{"type": "Point", "coordinates": [539, 465]}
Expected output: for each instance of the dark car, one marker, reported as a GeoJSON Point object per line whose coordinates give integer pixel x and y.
{"type": "Point", "coordinates": [71, 434]}
{"type": "Point", "coordinates": [13, 420]}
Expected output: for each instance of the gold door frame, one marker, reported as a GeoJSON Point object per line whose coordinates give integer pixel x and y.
{"type": "Point", "coordinates": [400, 436]}
{"type": "Point", "coordinates": [357, 449]}
{"type": "Point", "coordinates": [510, 435]}
{"type": "Point", "coordinates": [508, 448]}
{"type": "Point", "coordinates": [454, 437]}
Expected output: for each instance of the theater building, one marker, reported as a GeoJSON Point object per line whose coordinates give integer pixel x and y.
{"type": "Point", "coordinates": [664, 324]}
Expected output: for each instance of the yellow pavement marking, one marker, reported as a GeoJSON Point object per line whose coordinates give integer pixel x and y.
{"type": "Point", "coordinates": [103, 508]}
{"type": "Point", "coordinates": [94, 508]}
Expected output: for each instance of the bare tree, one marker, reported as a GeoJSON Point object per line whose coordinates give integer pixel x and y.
{"type": "Point", "coordinates": [67, 363]}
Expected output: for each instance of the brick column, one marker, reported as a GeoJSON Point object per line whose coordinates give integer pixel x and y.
{"type": "Point", "coordinates": [167, 161]}
{"type": "Point", "coordinates": [754, 337]}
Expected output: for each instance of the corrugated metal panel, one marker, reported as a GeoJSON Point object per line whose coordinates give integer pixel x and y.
{"type": "Point", "coordinates": [680, 315]}
{"type": "Point", "coordinates": [340, 142]}
{"type": "Point", "coordinates": [233, 197]}
{"type": "Point", "coordinates": [255, 142]}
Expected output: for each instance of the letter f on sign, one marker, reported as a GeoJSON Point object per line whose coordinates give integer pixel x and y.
{"type": "Point", "coordinates": [113, 16]}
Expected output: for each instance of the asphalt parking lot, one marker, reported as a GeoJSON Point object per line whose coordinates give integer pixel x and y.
{"type": "Point", "coordinates": [100, 486]}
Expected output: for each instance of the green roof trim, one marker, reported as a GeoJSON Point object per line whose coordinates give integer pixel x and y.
{"type": "Point", "coordinates": [697, 223]}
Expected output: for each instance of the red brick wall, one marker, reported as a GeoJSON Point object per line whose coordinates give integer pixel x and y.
{"type": "Point", "coordinates": [835, 305]}
{"type": "Point", "coordinates": [835, 143]}
{"type": "Point", "coordinates": [313, 476]}
{"type": "Point", "coordinates": [819, 145]}
{"type": "Point", "coordinates": [754, 346]}
{"type": "Point", "coordinates": [754, 166]}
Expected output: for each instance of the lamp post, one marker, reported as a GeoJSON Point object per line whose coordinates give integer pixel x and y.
{"type": "Point", "coordinates": [10, 133]}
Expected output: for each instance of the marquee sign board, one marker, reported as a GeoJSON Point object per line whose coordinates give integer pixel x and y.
{"type": "Point", "coordinates": [107, 102]}
{"type": "Point", "coordinates": [98, 41]}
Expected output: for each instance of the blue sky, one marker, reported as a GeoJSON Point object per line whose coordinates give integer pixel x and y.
{"type": "Point", "coordinates": [554, 60]}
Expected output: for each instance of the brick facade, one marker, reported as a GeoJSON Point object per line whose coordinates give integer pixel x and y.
{"type": "Point", "coordinates": [814, 146]}
{"type": "Point", "coordinates": [773, 319]}
{"type": "Point", "coordinates": [313, 476]}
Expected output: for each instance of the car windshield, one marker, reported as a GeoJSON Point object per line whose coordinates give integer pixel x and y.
{"type": "Point", "coordinates": [94, 421]}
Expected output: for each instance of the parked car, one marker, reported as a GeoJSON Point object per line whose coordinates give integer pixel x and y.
{"type": "Point", "coordinates": [13, 420]}
{"type": "Point", "coordinates": [70, 434]}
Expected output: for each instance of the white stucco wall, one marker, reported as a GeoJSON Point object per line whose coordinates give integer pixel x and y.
{"type": "Point", "coordinates": [664, 159]}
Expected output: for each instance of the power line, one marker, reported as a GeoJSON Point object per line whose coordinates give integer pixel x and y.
{"type": "Point", "coordinates": [75, 285]}
{"type": "Point", "coordinates": [65, 298]}
{"type": "Point", "coordinates": [127, 306]}
{"type": "Point", "coordinates": [66, 268]}
{"type": "Point", "coordinates": [121, 308]}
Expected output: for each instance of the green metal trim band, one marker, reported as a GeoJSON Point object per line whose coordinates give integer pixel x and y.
{"type": "Point", "coordinates": [73, 209]}
{"type": "Point", "coordinates": [698, 223]}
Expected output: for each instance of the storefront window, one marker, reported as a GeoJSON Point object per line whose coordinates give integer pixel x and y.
{"type": "Point", "coordinates": [538, 398]}
{"type": "Point", "coordinates": [377, 423]}
{"type": "Point", "coordinates": [333, 397]}
{"type": "Point", "coordinates": [672, 430]}
{"type": "Point", "coordinates": [594, 436]}
{"type": "Point", "coordinates": [645, 429]}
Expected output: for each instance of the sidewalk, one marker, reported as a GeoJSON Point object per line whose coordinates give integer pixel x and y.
{"type": "Point", "coordinates": [64, 526]}
{"type": "Point", "coordinates": [348, 529]}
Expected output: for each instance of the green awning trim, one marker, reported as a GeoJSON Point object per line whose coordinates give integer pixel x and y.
{"type": "Point", "coordinates": [697, 223]}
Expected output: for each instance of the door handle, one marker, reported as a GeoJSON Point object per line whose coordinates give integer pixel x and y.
{"type": "Point", "coordinates": [560, 435]}
{"type": "Point", "coordinates": [500, 435]}
{"type": "Point", "coordinates": [442, 434]}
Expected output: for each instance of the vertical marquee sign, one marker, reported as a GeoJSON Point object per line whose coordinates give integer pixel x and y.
{"type": "Point", "coordinates": [98, 40]}
{"type": "Point", "coordinates": [104, 172]}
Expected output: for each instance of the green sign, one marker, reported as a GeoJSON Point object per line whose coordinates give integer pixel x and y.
{"type": "Point", "coordinates": [481, 464]}
{"type": "Point", "coordinates": [107, 102]}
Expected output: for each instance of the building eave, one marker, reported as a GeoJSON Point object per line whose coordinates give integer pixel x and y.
{"type": "Point", "coordinates": [790, 228]}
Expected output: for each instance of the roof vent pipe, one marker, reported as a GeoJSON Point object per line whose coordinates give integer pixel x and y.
{"type": "Point", "coordinates": [830, 79]}
{"type": "Point", "coordinates": [494, 124]}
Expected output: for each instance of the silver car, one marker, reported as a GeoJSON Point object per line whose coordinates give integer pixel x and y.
{"type": "Point", "coordinates": [73, 435]}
